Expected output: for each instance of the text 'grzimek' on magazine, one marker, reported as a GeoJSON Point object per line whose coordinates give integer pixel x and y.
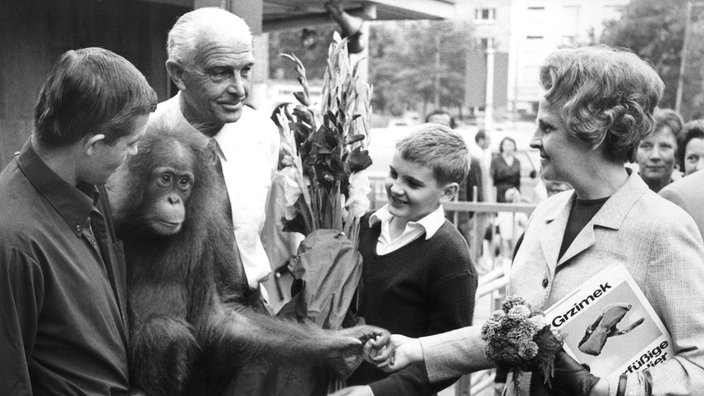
{"type": "Point", "coordinates": [610, 325]}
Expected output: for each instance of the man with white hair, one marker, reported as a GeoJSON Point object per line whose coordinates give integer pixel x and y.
{"type": "Point", "coordinates": [210, 60]}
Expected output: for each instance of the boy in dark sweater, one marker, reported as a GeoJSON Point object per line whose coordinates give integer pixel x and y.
{"type": "Point", "coordinates": [417, 276]}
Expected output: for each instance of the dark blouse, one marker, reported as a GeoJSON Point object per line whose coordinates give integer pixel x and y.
{"type": "Point", "coordinates": [505, 176]}
{"type": "Point", "coordinates": [581, 213]}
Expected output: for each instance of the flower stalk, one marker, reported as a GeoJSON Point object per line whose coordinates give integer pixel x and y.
{"type": "Point", "coordinates": [326, 147]}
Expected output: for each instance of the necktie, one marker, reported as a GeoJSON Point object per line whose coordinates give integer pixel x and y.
{"type": "Point", "coordinates": [215, 147]}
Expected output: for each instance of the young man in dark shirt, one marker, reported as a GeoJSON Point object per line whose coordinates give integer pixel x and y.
{"type": "Point", "coordinates": [62, 278]}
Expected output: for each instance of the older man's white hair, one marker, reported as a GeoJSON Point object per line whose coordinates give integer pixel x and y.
{"type": "Point", "coordinates": [188, 29]}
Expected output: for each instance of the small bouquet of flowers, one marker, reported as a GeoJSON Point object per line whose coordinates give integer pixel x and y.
{"type": "Point", "coordinates": [519, 338]}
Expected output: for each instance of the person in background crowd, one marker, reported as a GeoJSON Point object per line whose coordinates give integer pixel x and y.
{"type": "Point", "coordinates": [506, 169]}
{"type": "Point", "coordinates": [483, 141]}
{"type": "Point", "coordinates": [691, 147]}
{"type": "Point", "coordinates": [610, 217]}
{"type": "Point", "coordinates": [63, 314]}
{"type": "Point", "coordinates": [441, 117]}
{"type": "Point", "coordinates": [656, 152]}
{"type": "Point", "coordinates": [483, 259]}
{"type": "Point", "coordinates": [688, 192]}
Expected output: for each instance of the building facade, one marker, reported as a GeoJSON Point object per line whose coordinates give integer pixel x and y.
{"type": "Point", "coordinates": [538, 27]}
{"type": "Point", "coordinates": [527, 31]}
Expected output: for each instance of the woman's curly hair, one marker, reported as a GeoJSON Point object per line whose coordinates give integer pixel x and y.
{"type": "Point", "coordinates": [606, 96]}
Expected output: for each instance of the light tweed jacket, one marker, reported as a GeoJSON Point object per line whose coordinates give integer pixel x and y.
{"type": "Point", "coordinates": [657, 242]}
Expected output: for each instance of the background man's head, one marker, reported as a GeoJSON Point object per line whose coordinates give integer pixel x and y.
{"type": "Point", "coordinates": [441, 117]}
{"type": "Point", "coordinates": [93, 109]}
{"type": "Point", "coordinates": [482, 139]}
{"type": "Point", "coordinates": [211, 62]}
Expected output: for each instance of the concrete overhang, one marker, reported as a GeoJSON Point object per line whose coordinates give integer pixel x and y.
{"type": "Point", "coordinates": [290, 14]}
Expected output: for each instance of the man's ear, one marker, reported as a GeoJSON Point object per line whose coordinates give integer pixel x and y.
{"type": "Point", "coordinates": [89, 146]}
{"type": "Point", "coordinates": [449, 191]}
{"type": "Point", "coordinates": [176, 71]}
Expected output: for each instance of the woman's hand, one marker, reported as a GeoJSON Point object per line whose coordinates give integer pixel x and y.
{"type": "Point", "coordinates": [571, 378]}
{"type": "Point", "coordinates": [399, 353]}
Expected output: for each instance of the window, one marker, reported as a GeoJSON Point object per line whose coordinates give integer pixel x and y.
{"type": "Point", "coordinates": [485, 14]}
{"type": "Point", "coordinates": [485, 42]}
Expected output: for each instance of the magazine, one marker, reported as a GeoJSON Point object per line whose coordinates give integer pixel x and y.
{"type": "Point", "coordinates": [609, 324]}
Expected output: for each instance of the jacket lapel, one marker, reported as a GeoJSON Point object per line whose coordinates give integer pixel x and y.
{"type": "Point", "coordinates": [551, 237]}
{"type": "Point", "coordinates": [610, 216]}
{"type": "Point", "coordinates": [584, 240]}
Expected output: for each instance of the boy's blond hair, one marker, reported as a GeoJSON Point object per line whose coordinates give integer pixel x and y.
{"type": "Point", "coordinates": [438, 147]}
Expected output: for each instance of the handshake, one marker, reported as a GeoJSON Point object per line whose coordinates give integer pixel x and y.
{"type": "Point", "coordinates": [394, 352]}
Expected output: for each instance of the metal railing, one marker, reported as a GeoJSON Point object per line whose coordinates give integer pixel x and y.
{"type": "Point", "coordinates": [491, 288]}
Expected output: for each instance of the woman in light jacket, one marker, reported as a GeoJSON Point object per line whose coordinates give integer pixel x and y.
{"type": "Point", "coordinates": [597, 105]}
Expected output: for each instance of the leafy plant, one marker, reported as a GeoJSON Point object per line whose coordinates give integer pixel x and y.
{"type": "Point", "coordinates": [325, 187]}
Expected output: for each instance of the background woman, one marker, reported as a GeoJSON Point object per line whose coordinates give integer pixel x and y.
{"type": "Point", "coordinates": [506, 169]}
{"type": "Point", "coordinates": [597, 106]}
{"type": "Point", "coordinates": [691, 149]}
{"type": "Point", "coordinates": [656, 151]}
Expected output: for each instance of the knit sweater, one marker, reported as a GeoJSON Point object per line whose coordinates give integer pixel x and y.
{"type": "Point", "coordinates": [424, 288]}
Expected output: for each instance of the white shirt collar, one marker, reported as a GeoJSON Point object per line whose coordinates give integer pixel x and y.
{"type": "Point", "coordinates": [431, 222]}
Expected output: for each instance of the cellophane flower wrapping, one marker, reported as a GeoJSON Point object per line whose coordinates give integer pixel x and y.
{"type": "Point", "coordinates": [519, 338]}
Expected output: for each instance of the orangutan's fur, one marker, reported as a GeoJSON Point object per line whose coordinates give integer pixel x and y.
{"type": "Point", "coordinates": [189, 328]}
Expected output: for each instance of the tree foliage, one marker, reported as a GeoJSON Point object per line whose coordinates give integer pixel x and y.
{"type": "Point", "coordinates": [291, 42]}
{"type": "Point", "coordinates": [654, 29]}
{"type": "Point", "coordinates": [403, 68]}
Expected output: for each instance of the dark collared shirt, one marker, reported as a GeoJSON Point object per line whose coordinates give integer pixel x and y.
{"type": "Point", "coordinates": [62, 276]}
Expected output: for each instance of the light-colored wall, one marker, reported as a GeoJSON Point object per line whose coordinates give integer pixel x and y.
{"type": "Point", "coordinates": [529, 33]}
{"type": "Point", "coordinates": [541, 26]}
{"type": "Point", "coordinates": [499, 28]}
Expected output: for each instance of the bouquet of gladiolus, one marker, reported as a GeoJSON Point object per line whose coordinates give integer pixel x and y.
{"type": "Point", "coordinates": [519, 338]}
{"type": "Point", "coordinates": [325, 184]}
{"type": "Point", "coordinates": [325, 193]}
